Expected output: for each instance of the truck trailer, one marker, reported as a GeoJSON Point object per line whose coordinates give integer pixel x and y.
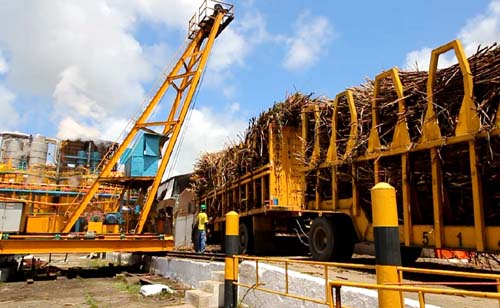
{"type": "Point", "coordinates": [304, 169]}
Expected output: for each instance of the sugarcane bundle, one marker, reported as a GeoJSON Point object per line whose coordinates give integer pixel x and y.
{"type": "Point", "coordinates": [218, 169]}
{"type": "Point", "coordinates": [213, 170]}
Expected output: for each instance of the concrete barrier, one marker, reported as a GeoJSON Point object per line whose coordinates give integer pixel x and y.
{"type": "Point", "coordinates": [188, 271]}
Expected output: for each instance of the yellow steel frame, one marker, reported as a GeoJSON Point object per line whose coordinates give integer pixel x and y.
{"type": "Point", "coordinates": [314, 109]}
{"type": "Point", "coordinates": [468, 124]}
{"type": "Point", "coordinates": [193, 62]}
{"type": "Point", "coordinates": [277, 180]}
{"type": "Point", "coordinates": [334, 158]}
{"type": "Point", "coordinates": [332, 154]}
{"type": "Point", "coordinates": [468, 119]}
{"type": "Point", "coordinates": [478, 237]}
{"type": "Point", "coordinates": [401, 137]}
{"type": "Point", "coordinates": [101, 243]}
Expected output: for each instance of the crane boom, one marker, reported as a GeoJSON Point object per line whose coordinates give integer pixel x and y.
{"type": "Point", "coordinates": [184, 78]}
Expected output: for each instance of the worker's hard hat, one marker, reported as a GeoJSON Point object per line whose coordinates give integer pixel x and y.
{"type": "Point", "coordinates": [203, 207]}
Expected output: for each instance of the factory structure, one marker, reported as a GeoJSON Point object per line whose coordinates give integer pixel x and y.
{"type": "Point", "coordinates": [42, 177]}
{"type": "Point", "coordinates": [59, 158]}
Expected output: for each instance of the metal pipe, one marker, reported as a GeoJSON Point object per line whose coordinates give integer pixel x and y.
{"type": "Point", "coordinates": [286, 277]}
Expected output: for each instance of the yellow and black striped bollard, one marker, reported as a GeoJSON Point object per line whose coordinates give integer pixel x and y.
{"type": "Point", "coordinates": [231, 269]}
{"type": "Point", "coordinates": [387, 246]}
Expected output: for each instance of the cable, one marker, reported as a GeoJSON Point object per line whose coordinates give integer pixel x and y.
{"type": "Point", "coordinates": [299, 237]}
{"type": "Point", "coordinates": [186, 121]}
{"type": "Point", "coordinates": [302, 230]}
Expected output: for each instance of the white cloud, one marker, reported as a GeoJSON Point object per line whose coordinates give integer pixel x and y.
{"type": "Point", "coordinates": [420, 59]}
{"type": "Point", "coordinates": [234, 46]}
{"type": "Point", "coordinates": [9, 117]}
{"type": "Point", "coordinates": [113, 128]}
{"type": "Point", "coordinates": [109, 130]}
{"type": "Point", "coordinates": [84, 54]}
{"type": "Point", "coordinates": [173, 13]}
{"type": "Point", "coordinates": [483, 29]}
{"type": "Point", "coordinates": [207, 131]}
{"type": "Point", "coordinates": [71, 96]}
{"type": "Point", "coordinates": [311, 37]}
{"type": "Point", "coordinates": [4, 67]}
{"type": "Point", "coordinates": [230, 50]}
{"type": "Point", "coordinates": [255, 26]}
{"type": "Point", "coordinates": [159, 56]}
{"type": "Point", "coordinates": [69, 128]}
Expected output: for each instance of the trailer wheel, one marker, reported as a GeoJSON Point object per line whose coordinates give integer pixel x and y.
{"type": "Point", "coordinates": [321, 239]}
{"type": "Point", "coordinates": [246, 238]}
{"type": "Point", "coordinates": [330, 240]}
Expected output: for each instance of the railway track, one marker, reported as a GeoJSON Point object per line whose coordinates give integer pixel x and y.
{"type": "Point", "coordinates": [209, 256]}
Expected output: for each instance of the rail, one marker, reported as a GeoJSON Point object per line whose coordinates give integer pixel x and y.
{"type": "Point", "coordinates": [421, 291]}
{"type": "Point", "coordinates": [332, 288]}
{"type": "Point", "coordinates": [286, 262]}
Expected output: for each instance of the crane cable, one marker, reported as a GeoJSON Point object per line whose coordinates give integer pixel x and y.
{"type": "Point", "coordinates": [187, 121]}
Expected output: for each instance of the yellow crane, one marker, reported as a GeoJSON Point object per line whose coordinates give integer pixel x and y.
{"type": "Point", "coordinates": [184, 78]}
{"type": "Point", "coordinates": [207, 23]}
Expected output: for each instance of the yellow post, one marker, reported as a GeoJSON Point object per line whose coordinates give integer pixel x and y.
{"type": "Point", "coordinates": [387, 247]}
{"type": "Point", "coordinates": [231, 269]}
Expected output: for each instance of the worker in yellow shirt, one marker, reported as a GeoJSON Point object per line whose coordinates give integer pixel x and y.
{"type": "Point", "coordinates": [202, 219]}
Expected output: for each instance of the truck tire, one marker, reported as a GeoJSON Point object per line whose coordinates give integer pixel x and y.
{"type": "Point", "coordinates": [245, 238]}
{"type": "Point", "coordinates": [326, 242]}
{"type": "Point", "coordinates": [321, 239]}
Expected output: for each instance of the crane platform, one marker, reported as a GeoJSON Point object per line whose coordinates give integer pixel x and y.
{"type": "Point", "coordinates": [84, 243]}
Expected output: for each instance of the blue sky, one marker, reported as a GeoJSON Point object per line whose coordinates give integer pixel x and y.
{"type": "Point", "coordinates": [72, 69]}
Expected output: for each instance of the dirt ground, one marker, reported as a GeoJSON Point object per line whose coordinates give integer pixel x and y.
{"type": "Point", "coordinates": [80, 292]}
{"type": "Point", "coordinates": [122, 291]}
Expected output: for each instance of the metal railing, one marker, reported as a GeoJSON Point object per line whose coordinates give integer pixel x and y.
{"type": "Point", "coordinates": [258, 285]}
{"type": "Point", "coordinates": [332, 293]}
{"type": "Point", "coordinates": [207, 10]}
{"type": "Point", "coordinates": [336, 285]}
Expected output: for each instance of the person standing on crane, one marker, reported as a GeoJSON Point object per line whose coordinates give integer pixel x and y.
{"type": "Point", "coordinates": [202, 220]}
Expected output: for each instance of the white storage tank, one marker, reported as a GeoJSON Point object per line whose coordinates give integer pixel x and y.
{"type": "Point", "coordinates": [13, 152]}
{"type": "Point", "coordinates": [38, 151]}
